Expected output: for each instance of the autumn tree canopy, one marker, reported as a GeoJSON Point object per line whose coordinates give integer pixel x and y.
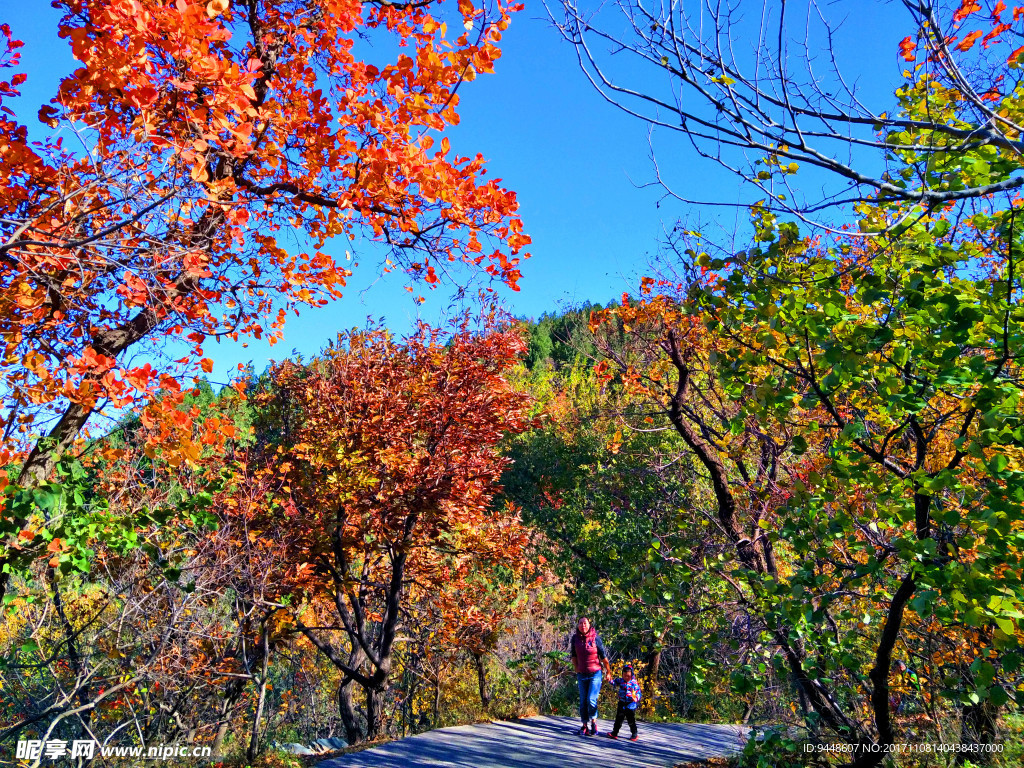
{"type": "Point", "coordinates": [147, 220]}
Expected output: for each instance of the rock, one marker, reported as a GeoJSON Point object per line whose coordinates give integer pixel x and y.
{"type": "Point", "coordinates": [296, 749]}
{"type": "Point", "coordinates": [328, 745]}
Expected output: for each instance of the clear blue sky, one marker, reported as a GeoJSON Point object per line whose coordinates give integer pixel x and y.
{"type": "Point", "coordinates": [574, 161]}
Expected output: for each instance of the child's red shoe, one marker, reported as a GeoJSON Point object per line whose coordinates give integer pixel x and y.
{"type": "Point", "coordinates": [634, 737]}
{"type": "Point", "coordinates": [611, 736]}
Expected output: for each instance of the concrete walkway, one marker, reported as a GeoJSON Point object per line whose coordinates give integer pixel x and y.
{"type": "Point", "coordinates": [549, 742]}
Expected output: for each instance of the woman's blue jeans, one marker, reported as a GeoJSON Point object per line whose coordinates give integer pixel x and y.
{"type": "Point", "coordinates": [590, 686]}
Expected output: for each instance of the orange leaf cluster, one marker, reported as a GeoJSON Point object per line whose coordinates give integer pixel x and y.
{"type": "Point", "coordinates": [209, 129]}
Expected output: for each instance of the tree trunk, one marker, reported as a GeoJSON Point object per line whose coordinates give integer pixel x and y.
{"type": "Point", "coordinates": [218, 739]}
{"type": "Point", "coordinates": [651, 671]}
{"type": "Point", "coordinates": [437, 700]}
{"type": "Point", "coordinates": [684, 703]}
{"type": "Point", "coordinates": [653, 664]}
{"type": "Point", "coordinates": [654, 659]}
{"type": "Point", "coordinates": [757, 559]}
{"type": "Point", "coordinates": [748, 710]}
{"type": "Point", "coordinates": [978, 726]}
{"type": "Point", "coordinates": [111, 342]}
{"type": "Point", "coordinates": [74, 655]}
{"type": "Point", "coordinates": [802, 698]}
{"type": "Point", "coordinates": [231, 695]}
{"type": "Point", "coordinates": [481, 678]}
{"type": "Point", "coordinates": [375, 711]}
{"type": "Point", "coordinates": [254, 737]}
{"type": "Point", "coordinates": [347, 712]}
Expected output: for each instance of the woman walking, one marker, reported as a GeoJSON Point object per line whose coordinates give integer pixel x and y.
{"type": "Point", "coordinates": [588, 658]}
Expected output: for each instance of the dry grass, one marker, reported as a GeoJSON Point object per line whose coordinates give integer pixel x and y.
{"type": "Point", "coordinates": [711, 762]}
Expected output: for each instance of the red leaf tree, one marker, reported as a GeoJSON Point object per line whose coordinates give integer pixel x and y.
{"type": "Point", "coordinates": [391, 453]}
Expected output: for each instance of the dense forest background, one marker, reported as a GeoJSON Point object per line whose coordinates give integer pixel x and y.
{"type": "Point", "coordinates": [219, 614]}
{"type": "Point", "coordinates": [783, 477]}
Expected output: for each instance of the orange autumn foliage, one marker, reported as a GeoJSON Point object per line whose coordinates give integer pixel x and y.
{"type": "Point", "coordinates": [202, 131]}
{"type": "Point", "coordinates": [193, 136]}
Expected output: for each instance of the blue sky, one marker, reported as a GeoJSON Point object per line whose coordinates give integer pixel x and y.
{"type": "Point", "coordinates": [576, 163]}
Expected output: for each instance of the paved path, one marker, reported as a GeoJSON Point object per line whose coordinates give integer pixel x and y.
{"type": "Point", "coordinates": [548, 742]}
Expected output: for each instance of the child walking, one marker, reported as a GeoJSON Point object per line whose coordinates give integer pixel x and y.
{"type": "Point", "coordinates": [629, 698]}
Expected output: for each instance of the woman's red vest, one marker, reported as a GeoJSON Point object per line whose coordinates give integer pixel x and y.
{"type": "Point", "coordinates": [585, 657]}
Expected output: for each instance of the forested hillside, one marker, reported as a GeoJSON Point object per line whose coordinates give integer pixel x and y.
{"type": "Point", "coordinates": [783, 480]}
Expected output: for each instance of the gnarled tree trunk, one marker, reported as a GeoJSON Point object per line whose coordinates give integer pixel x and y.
{"type": "Point", "coordinates": [481, 679]}
{"type": "Point", "coordinates": [375, 722]}
{"type": "Point", "coordinates": [347, 711]}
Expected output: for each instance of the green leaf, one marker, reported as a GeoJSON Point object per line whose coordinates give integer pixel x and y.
{"type": "Point", "coordinates": [1005, 624]}
{"type": "Point", "coordinates": [998, 696]}
{"type": "Point", "coordinates": [998, 463]}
